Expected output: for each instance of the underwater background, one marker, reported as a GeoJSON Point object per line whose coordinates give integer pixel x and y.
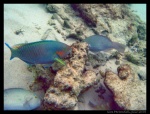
{"type": "Point", "coordinates": [99, 77]}
{"type": "Point", "coordinates": [140, 10]}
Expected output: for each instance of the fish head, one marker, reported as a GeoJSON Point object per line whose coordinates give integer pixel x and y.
{"type": "Point", "coordinates": [64, 52]}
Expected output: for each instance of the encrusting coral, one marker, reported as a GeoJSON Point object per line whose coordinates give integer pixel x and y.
{"type": "Point", "coordinates": [70, 80]}
{"type": "Point", "coordinates": [129, 92]}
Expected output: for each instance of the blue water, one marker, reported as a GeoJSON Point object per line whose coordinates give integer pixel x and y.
{"type": "Point", "coordinates": [140, 10]}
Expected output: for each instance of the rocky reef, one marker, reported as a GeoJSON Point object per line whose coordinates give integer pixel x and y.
{"type": "Point", "coordinates": [63, 84]}
{"type": "Point", "coordinates": [70, 80]}
{"type": "Point", "coordinates": [128, 91]}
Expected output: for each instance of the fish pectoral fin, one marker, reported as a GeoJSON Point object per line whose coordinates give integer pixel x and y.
{"type": "Point", "coordinates": [60, 61]}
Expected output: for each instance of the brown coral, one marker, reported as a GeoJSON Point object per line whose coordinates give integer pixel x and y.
{"type": "Point", "coordinates": [70, 80]}
{"type": "Point", "coordinates": [129, 92]}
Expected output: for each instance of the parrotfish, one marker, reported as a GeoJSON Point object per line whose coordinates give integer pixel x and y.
{"type": "Point", "coordinates": [102, 43]}
{"type": "Point", "coordinates": [41, 52]}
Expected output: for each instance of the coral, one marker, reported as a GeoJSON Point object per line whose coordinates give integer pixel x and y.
{"type": "Point", "coordinates": [67, 24]}
{"type": "Point", "coordinates": [133, 40]}
{"type": "Point", "coordinates": [135, 59]}
{"type": "Point", "coordinates": [129, 92]}
{"type": "Point", "coordinates": [45, 35]}
{"type": "Point", "coordinates": [43, 78]}
{"type": "Point", "coordinates": [57, 99]}
{"type": "Point", "coordinates": [117, 10]}
{"type": "Point", "coordinates": [56, 66]}
{"type": "Point", "coordinates": [141, 30]}
{"type": "Point", "coordinates": [115, 54]}
{"type": "Point", "coordinates": [77, 33]}
{"type": "Point", "coordinates": [86, 13]}
{"type": "Point", "coordinates": [70, 80]}
{"type": "Point", "coordinates": [57, 17]}
{"type": "Point", "coordinates": [97, 59]}
{"type": "Point", "coordinates": [117, 62]}
{"type": "Point", "coordinates": [52, 8]}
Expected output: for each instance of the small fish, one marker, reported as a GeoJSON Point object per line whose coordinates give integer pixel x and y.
{"type": "Point", "coordinates": [102, 43]}
{"type": "Point", "coordinates": [41, 52]}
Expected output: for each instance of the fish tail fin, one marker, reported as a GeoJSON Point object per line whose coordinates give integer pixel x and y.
{"type": "Point", "coordinates": [119, 47]}
{"type": "Point", "coordinates": [13, 53]}
{"type": "Point", "coordinates": [8, 46]}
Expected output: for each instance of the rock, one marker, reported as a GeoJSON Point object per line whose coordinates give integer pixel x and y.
{"type": "Point", "coordinates": [20, 99]}
{"type": "Point", "coordinates": [52, 8]}
{"type": "Point", "coordinates": [128, 91]}
{"type": "Point", "coordinates": [70, 80]}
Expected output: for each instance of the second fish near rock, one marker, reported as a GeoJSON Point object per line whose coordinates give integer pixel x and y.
{"type": "Point", "coordinates": [70, 81]}
{"type": "Point", "coordinates": [102, 43]}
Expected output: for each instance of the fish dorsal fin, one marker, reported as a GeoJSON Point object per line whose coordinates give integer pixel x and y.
{"type": "Point", "coordinates": [18, 45]}
{"type": "Point", "coordinates": [45, 41]}
{"type": "Point", "coordinates": [22, 44]}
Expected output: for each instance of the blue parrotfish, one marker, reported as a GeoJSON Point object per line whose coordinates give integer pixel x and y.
{"type": "Point", "coordinates": [41, 52]}
{"type": "Point", "coordinates": [101, 43]}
